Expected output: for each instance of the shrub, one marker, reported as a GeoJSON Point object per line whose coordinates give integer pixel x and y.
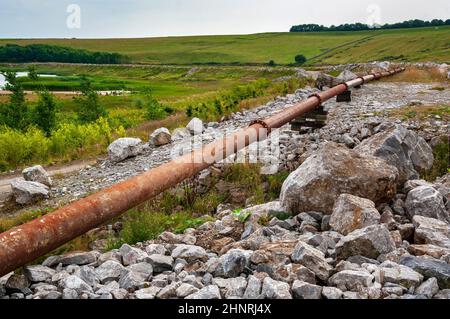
{"type": "Point", "coordinates": [300, 59]}
{"type": "Point", "coordinates": [44, 115]}
{"type": "Point", "coordinates": [89, 107]}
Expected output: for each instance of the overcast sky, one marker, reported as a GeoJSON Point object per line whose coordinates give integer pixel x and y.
{"type": "Point", "coordinates": [145, 18]}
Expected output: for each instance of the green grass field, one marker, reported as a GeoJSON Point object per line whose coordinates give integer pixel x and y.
{"type": "Point", "coordinates": [423, 44]}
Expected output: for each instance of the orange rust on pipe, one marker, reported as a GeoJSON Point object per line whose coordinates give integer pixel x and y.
{"type": "Point", "coordinates": [23, 244]}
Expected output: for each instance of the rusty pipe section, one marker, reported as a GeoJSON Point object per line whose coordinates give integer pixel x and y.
{"type": "Point", "coordinates": [23, 244]}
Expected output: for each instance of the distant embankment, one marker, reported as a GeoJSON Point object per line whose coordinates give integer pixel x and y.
{"type": "Point", "coordinates": [13, 53]}
{"type": "Point", "coordinates": [410, 24]}
{"type": "Point", "coordinates": [400, 45]}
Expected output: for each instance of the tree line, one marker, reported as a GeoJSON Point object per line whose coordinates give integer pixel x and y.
{"type": "Point", "coordinates": [13, 53]}
{"type": "Point", "coordinates": [363, 27]}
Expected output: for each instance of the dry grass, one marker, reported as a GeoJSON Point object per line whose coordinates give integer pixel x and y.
{"type": "Point", "coordinates": [417, 75]}
{"type": "Point", "coordinates": [422, 112]}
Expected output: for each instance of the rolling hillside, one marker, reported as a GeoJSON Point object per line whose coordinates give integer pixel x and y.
{"type": "Point", "coordinates": [423, 44]}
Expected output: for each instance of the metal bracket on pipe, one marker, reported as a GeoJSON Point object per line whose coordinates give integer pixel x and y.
{"type": "Point", "coordinates": [314, 119]}
{"type": "Point", "coordinates": [344, 97]}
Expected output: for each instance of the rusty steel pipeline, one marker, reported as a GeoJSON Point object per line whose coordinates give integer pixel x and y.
{"type": "Point", "coordinates": [23, 244]}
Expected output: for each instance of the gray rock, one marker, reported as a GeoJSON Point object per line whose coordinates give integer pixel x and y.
{"type": "Point", "coordinates": [88, 275]}
{"type": "Point", "coordinates": [26, 192]}
{"type": "Point", "coordinates": [401, 148]}
{"type": "Point", "coordinates": [132, 255]}
{"type": "Point", "coordinates": [160, 137]}
{"type": "Point", "coordinates": [208, 292]}
{"type": "Point", "coordinates": [119, 293]}
{"type": "Point", "coordinates": [17, 283]}
{"type": "Point", "coordinates": [443, 294]}
{"type": "Point", "coordinates": [70, 294]}
{"type": "Point", "coordinates": [428, 289]}
{"type": "Point", "coordinates": [313, 259]}
{"type": "Point", "coordinates": [335, 170]}
{"type": "Point", "coordinates": [160, 263]}
{"type": "Point", "coordinates": [49, 295]}
{"type": "Point", "coordinates": [352, 280]}
{"type": "Point", "coordinates": [110, 271]}
{"type": "Point", "coordinates": [37, 174]}
{"type": "Point", "coordinates": [137, 275]}
{"type": "Point", "coordinates": [429, 268]}
{"type": "Point", "coordinates": [428, 202]}
{"type": "Point", "coordinates": [108, 288]}
{"type": "Point", "coordinates": [346, 76]}
{"type": "Point", "coordinates": [124, 148]}
{"type": "Point", "coordinates": [390, 272]}
{"type": "Point", "coordinates": [304, 290]}
{"type": "Point", "coordinates": [431, 231]}
{"type": "Point", "coordinates": [185, 290]}
{"type": "Point", "coordinates": [169, 291]}
{"type": "Point", "coordinates": [351, 213]}
{"type": "Point", "coordinates": [75, 283]}
{"type": "Point", "coordinates": [155, 249]}
{"type": "Point", "coordinates": [331, 293]}
{"type": "Point", "coordinates": [369, 242]}
{"type": "Point", "coordinates": [147, 293]}
{"type": "Point", "coordinates": [273, 289]}
{"type": "Point", "coordinates": [233, 263]}
{"type": "Point", "coordinates": [37, 273]}
{"type": "Point", "coordinates": [190, 253]}
{"type": "Point", "coordinates": [195, 126]}
{"type": "Point", "coordinates": [253, 290]}
{"type": "Point", "coordinates": [79, 258]}
{"type": "Point", "coordinates": [231, 288]}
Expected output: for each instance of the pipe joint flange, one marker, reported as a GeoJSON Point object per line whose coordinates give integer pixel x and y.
{"type": "Point", "coordinates": [362, 79]}
{"type": "Point", "coordinates": [318, 97]}
{"type": "Point", "coordinates": [263, 123]}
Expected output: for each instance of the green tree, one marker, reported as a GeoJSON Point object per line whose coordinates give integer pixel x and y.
{"type": "Point", "coordinates": [300, 59]}
{"type": "Point", "coordinates": [272, 63]}
{"type": "Point", "coordinates": [15, 113]}
{"type": "Point", "coordinates": [32, 73]}
{"type": "Point", "coordinates": [154, 110]}
{"type": "Point", "coordinates": [89, 107]}
{"type": "Point", "coordinates": [44, 115]}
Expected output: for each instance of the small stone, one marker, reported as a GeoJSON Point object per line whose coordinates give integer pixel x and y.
{"type": "Point", "coordinates": [331, 293]}
{"type": "Point", "coordinates": [303, 290]}
{"type": "Point", "coordinates": [195, 126]}
{"type": "Point", "coordinates": [231, 288]}
{"type": "Point", "coordinates": [429, 268]}
{"type": "Point", "coordinates": [233, 263]}
{"type": "Point", "coordinates": [208, 292]}
{"type": "Point", "coordinates": [37, 174]}
{"type": "Point", "coordinates": [132, 255]}
{"type": "Point", "coordinates": [147, 293]}
{"type": "Point", "coordinates": [351, 280]}
{"type": "Point", "coordinates": [79, 258]}
{"type": "Point", "coordinates": [189, 253]}
{"type": "Point", "coordinates": [37, 273]}
{"type": "Point", "coordinates": [185, 290]}
{"type": "Point", "coordinates": [110, 271]}
{"type": "Point", "coordinates": [75, 283]}
{"type": "Point", "coordinates": [17, 283]}
{"type": "Point", "coordinates": [160, 137]}
{"type": "Point", "coordinates": [369, 242]}
{"type": "Point", "coordinates": [70, 294]}
{"type": "Point", "coordinates": [160, 263]}
{"type": "Point", "coordinates": [28, 192]}
{"type": "Point", "coordinates": [123, 148]}
{"type": "Point", "coordinates": [253, 290]}
{"type": "Point", "coordinates": [273, 289]}
{"type": "Point", "coordinates": [155, 249]}
{"type": "Point", "coordinates": [428, 288]}
{"type": "Point", "coordinates": [428, 202]}
{"type": "Point", "coordinates": [351, 213]}
{"type": "Point", "coordinates": [312, 259]}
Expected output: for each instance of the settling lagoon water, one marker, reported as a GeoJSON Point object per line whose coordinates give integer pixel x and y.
{"type": "Point", "coordinates": [23, 74]}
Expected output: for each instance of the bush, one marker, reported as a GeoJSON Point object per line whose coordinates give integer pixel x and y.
{"type": "Point", "coordinates": [89, 107]}
{"type": "Point", "coordinates": [300, 59]}
{"type": "Point", "coordinates": [69, 141]}
{"type": "Point", "coordinates": [272, 63]}
{"type": "Point", "coordinates": [44, 115]}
